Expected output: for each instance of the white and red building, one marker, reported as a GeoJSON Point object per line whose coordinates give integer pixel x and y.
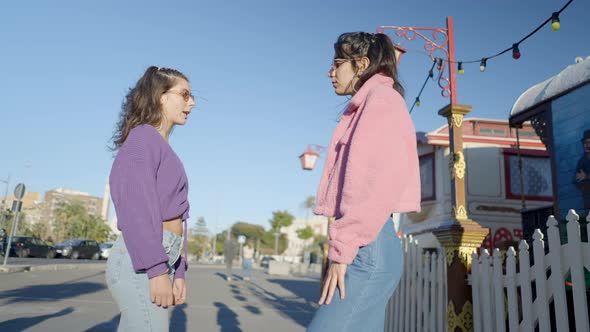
{"type": "Point", "coordinates": [493, 183]}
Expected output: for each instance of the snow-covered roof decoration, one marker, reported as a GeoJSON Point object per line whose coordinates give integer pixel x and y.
{"type": "Point", "coordinates": [572, 76]}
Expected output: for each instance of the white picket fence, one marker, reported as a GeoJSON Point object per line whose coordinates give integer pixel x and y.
{"type": "Point", "coordinates": [496, 295]}
{"type": "Point", "coordinates": [420, 300]}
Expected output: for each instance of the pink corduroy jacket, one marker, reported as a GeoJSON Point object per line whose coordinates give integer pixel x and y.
{"type": "Point", "coordinates": [371, 170]}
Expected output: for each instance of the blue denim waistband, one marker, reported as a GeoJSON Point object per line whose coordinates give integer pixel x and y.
{"type": "Point", "coordinates": [172, 244]}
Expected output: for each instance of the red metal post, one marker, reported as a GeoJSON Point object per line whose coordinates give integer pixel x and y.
{"type": "Point", "coordinates": [452, 74]}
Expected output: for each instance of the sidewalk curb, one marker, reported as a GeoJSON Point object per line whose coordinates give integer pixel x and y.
{"type": "Point", "coordinates": [51, 267]}
{"type": "Point", "coordinates": [13, 268]}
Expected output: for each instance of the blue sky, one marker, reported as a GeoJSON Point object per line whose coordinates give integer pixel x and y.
{"type": "Point", "coordinates": [261, 65]}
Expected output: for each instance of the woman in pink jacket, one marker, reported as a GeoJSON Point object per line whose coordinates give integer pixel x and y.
{"type": "Point", "coordinates": [371, 172]}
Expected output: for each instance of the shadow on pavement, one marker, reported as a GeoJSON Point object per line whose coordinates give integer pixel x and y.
{"type": "Point", "coordinates": [109, 326]}
{"type": "Point", "coordinates": [307, 289]}
{"type": "Point", "coordinates": [51, 292]}
{"type": "Point", "coordinates": [299, 307]}
{"type": "Point", "coordinates": [227, 319]}
{"type": "Point", "coordinates": [23, 323]}
{"type": "Point", "coordinates": [177, 322]}
{"type": "Point", "coordinates": [178, 319]}
{"type": "Point", "coordinates": [253, 309]}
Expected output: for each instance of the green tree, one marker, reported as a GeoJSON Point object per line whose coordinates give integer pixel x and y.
{"type": "Point", "coordinates": [305, 233]}
{"type": "Point", "coordinates": [98, 229]}
{"type": "Point", "coordinates": [73, 221]}
{"type": "Point", "coordinates": [39, 230]}
{"type": "Point", "coordinates": [267, 243]}
{"type": "Point", "coordinates": [250, 231]}
{"type": "Point", "coordinates": [281, 219]}
{"type": "Point", "coordinates": [22, 228]}
{"type": "Point", "coordinates": [309, 205]}
{"type": "Point", "coordinates": [66, 214]}
{"type": "Point", "coordinates": [198, 241]}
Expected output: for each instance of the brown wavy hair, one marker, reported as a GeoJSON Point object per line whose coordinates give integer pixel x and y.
{"type": "Point", "coordinates": [142, 102]}
{"type": "Point", "coordinates": [377, 47]}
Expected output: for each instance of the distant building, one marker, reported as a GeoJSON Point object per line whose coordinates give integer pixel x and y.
{"type": "Point", "coordinates": [29, 200]}
{"type": "Point", "coordinates": [296, 245]}
{"type": "Point", "coordinates": [52, 199]}
{"type": "Point", "coordinates": [493, 183]}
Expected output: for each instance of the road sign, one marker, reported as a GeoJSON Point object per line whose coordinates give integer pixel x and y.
{"type": "Point", "coordinates": [19, 191]}
{"type": "Point", "coordinates": [241, 239]}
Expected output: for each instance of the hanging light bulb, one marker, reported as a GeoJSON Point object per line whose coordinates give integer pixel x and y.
{"type": "Point", "coordinates": [482, 65]}
{"type": "Point", "coordinates": [418, 103]}
{"type": "Point", "coordinates": [439, 63]}
{"type": "Point", "coordinates": [515, 51]}
{"type": "Point", "coordinates": [460, 68]}
{"type": "Point", "coordinates": [555, 24]}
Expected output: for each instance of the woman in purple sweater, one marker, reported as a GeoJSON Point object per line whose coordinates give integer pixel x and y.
{"type": "Point", "coordinates": [149, 188]}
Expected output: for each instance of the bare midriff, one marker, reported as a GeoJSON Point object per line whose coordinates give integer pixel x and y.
{"type": "Point", "coordinates": [173, 225]}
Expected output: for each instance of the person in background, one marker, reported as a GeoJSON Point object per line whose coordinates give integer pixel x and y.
{"type": "Point", "coordinates": [229, 251]}
{"type": "Point", "coordinates": [3, 240]}
{"type": "Point", "coordinates": [247, 256]}
{"type": "Point", "coordinates": [582, 178]}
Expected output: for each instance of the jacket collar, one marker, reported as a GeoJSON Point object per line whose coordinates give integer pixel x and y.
{"type": "Point", "coordinates": [361, 95]}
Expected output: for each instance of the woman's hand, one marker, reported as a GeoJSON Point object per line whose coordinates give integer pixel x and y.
{"type": "Point", "coordinates": [179, 290]}
{"type": "Point", "coordinates": [161, 290]}
{"type": "Point", "coordinates": [334, 278]}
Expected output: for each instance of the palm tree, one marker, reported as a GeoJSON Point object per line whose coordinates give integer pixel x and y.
{"type": "Point", "coordinates": [309, 205]}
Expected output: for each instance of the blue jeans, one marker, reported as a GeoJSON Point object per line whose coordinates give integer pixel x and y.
{"type": "Point", "coordinates": [247, 266]}
{"type": "Point", "coordinates": [131, 290]}
{"type": "Point", "coordinates": [370, 281]}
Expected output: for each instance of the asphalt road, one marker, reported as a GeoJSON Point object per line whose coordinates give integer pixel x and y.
{"type": "Point", "coordinates": [78, 300]}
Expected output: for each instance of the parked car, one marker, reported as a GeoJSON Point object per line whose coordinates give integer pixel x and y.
{"type": "Point", "coordinates": [78, 248]}
{"type": "Point", "coordinates": [264, 262]}
{"type": "Point", "coordinates": [29, 246]}
{"type": "Point", "coordinates": [105, 250]}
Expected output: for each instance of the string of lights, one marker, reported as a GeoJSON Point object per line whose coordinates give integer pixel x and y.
{"type": "Point", "coordinates": [555, 25]}
{"type": "Point", "coordinates": [430, 75]}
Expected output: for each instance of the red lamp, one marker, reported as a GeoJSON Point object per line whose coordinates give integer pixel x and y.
{"type": "Point", "coordinates": [310, 157]}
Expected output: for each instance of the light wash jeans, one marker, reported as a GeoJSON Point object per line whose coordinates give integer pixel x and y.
{"type": "Point", "coordinates": [247, 266]}
{"type": "Point", "coordinates": [131, 289]}
{"type": "Point", "coordinates": [370, 281]}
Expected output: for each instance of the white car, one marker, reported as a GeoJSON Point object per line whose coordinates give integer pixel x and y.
{"type": "Point", "coordinates": [105, 249]}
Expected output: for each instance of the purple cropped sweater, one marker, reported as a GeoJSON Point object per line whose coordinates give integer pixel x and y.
{"type": "Point", "coordinates": [148, 185]}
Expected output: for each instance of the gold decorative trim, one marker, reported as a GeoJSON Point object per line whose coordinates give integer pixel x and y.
{"type": "Point", "coordinates": [457, 121]}
{"type": "Point", "coordinates": [459, 165]}
{"type": "Point", "coordinates": [463, 321]}
{"type": "Point", "coordinates": [459, 212]}
{"type": "Point", "coordinates": [464, 254]}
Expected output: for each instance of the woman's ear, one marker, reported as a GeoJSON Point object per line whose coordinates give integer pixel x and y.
{"type": "Point", "coordinates": [363, 64]}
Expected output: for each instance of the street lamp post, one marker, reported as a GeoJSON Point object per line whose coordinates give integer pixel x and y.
{"type": "Point", "coordinates": [460, 236]}
{"type": "Point", "coordinates": [277, 234]}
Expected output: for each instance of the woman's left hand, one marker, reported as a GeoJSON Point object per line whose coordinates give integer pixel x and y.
{"type": "Point", "coordinates": [334, 278]}
{"type": "Point", "coordinates": [179, 291]}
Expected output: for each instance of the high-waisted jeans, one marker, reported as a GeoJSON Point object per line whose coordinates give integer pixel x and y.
{"type": "Point", "coordinates": [131, 289]}
{"type": "Point", "coordinates": [370, 281]}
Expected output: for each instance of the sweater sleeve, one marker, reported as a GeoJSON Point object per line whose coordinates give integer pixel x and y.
{"type": "Point", "coordinates": [181, 268]}
{"type": "Point", "coordinates": [376, 168]}
{"type": "Point", "coordinates": [133, 185]}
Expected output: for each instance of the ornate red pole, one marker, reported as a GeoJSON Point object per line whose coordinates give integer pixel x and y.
{"type": "Point", "coordinates": [459, 235]}
{"type": "Point", "coordinates": [451, 42]}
